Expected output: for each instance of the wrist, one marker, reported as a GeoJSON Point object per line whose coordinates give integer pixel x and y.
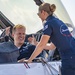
{"type": "Point", "coordinates": [6, 38]}
{"type": "Point", "coordinates": [29, 60]}
{"type": "Point", "coordinates": [36, 43]}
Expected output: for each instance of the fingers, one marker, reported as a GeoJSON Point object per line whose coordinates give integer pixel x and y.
{"type": "Point", "coordinates": [30, 39]}
{"type": "Point", "coordinates": [27, 61]}
{"type": "Point", "coordinates": [21, 60]}
{"type": "Point", "coordinates": [24, 61]}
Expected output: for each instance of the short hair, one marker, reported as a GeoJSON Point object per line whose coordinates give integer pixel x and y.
{"type": "Point", "coordinates": [17, 27]}
{"type": "Point", "coordinates": [49, 8]}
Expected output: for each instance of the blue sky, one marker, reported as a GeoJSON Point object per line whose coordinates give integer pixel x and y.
{"type": "Point", "coordinates": [70, 7]}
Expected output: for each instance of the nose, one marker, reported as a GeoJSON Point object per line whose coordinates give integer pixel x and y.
{"type": "Point", "coordinates": [38, 14]}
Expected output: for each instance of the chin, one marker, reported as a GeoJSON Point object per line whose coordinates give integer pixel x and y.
{"type": "Point", "coordinates": [21, 42]}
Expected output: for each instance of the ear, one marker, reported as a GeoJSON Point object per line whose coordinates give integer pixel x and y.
{"type": "Point", "coordinates": [43, 12]}
{"type": "Point", "coordinates": [12, 35]}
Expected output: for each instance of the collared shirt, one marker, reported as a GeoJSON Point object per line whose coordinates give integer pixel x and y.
{"type": "Point", "coordinates": [60, 36]}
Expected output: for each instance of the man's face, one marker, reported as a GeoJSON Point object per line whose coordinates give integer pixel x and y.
{"type": "Point", "coordinates": [19, 36]}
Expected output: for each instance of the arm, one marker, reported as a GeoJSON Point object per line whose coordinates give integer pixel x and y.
{"type": "Point", "coordinates": [7, 32]}
{"type": "Point", "coordinates": [49, 46]}
{"type": "Point", "coordinates": [40, 46]}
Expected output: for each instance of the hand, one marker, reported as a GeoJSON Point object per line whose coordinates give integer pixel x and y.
{"type": "Point", "coordinates": [7, 31]}
{"type": "Point", "coordinates": [23, 60]}
{"type": "Point", "coordinates": [27, 61]}
{"type": "Point", "coordinates": [32, 40]}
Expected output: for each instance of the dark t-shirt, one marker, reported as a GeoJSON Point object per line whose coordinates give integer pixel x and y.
{"type": "Point", "coordinates": [60, 36]}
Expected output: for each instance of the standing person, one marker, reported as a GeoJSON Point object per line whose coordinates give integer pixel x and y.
{"type": "Point", "coordinates": [55, 30]}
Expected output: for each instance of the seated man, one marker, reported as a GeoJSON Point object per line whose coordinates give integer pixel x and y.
{"type": "Point", "coordinates": [19, 34]}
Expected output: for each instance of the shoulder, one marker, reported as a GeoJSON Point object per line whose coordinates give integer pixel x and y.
{"type": "Point", "coordinates": [47, 25]}
{"type": "Point", "coordinates": [24, 44]}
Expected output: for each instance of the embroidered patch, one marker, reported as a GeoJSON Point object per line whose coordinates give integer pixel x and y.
{"type": "Point", "coordinates": [45, 27]}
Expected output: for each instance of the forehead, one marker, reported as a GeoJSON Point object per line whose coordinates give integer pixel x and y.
{"type": "Point", "coordinates": [20, 30]}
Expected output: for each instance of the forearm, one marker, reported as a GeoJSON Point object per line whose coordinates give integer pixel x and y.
{"type": "Point", "coordinates": [36, 52]}
{"type": "Point", "coordinates": [50, 46]}
{"type": "Point", "coordinates": [39, 47]}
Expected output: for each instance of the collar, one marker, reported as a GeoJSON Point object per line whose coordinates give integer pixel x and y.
{"type": "Point", "coordinates": [49, 17]}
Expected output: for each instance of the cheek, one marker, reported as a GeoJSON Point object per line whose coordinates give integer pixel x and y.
{"type": "Point", "coordinates": [24, 36]}
{"type": "Point", "coordinates": [16, 37]}
{"type": "Point", "coordinates": [41, 16]}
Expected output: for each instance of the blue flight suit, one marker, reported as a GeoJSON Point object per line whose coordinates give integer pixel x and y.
{"type": "Point", "coordinates": [63, 40]}
{"type": "Point", "coordinates": [26, 50]}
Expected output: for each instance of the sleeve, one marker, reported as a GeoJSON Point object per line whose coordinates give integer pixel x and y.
{"type": "Point", "coordinates": [6, 38]}
{"type": "Point", "coordinates": [47, 30]}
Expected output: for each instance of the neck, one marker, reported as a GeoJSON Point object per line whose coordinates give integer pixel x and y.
{"type": "Point", "coordinates": [18, 44]}
{"type": "Point", "coordinates": [46, 16]}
